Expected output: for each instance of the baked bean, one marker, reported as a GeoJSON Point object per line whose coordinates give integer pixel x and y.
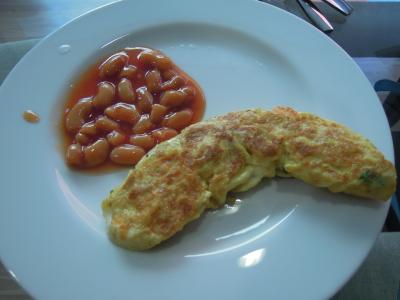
{"type": "Point", "coordinates": [74, 155]}
{"type": "Point", "coordinates": [30, 116]}
{"type": "Point", "coordinates": [128, 72]}
{"type": "Point", "coordinates": [162, 62]}
{"type": "Point", "coordinates": [96, 153]}
{"type": "Point", "coordinates": [173, 84]}
{"type": "Point", "coordinates": [127, 154]}
{"type": "Point", "coordinates": [115, 138]}
{"type": "Point", "coordinates": [123, 112]}
{"type": "Point", "coordinates": [153, 81]}
{"type": "Point", "coordinates": [158, 111]}
{"type": "Point", "coordinates": [82, 139]}
{"type": "Point", "coordinates": [168, 74]}
{"type": "Point", "coordinates": [105, 124]}
{"type": "Point", "coordinates": [105, 95]}
{"type": "Point", "coordinates": [147, 57]}
{"type": "Point", "coordinates": [144, 141]}
{"type": "Point", "coordinates": [113, 65]}
{"type": "Point", "coordinates": [88, 129]}
{"type": "Point", "coordinates": [143, 125]}
{"type": "Point", "coordinates": [189, 91]}
{"type": "Point", "coordinates": [155, 59]}
{"type": "Point", "coordinates": [77, 115]}
{"type": "Point", "coordinates": [172, 98]}
{"type": "Point", "coordinates": [144, 99]}
{"type": "Point", "coordinates": [178, 120]}
{"type": "Point", "coordinates": [164, 134]}
{"type": "Point", "coordinates": [125, 91]}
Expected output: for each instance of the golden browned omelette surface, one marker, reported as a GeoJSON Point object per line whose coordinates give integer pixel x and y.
{"type": "Point", "coordinates": [176, 181]}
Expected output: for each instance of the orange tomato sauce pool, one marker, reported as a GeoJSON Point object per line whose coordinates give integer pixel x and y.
{"type": "Point", "coordinates": [124, 105]}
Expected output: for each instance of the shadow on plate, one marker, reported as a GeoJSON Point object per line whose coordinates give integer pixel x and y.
{"type": "Point", "coordinates": [333, 211]}
{"type": "Point", "coordinates": [203, 236]}
{"type": "Point", "coordinates": [162, 256]}
{"type": "Point", "coordinates": [318, 205]}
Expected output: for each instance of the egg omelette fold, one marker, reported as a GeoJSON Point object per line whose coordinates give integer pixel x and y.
{"type": "Point", "coordinates": [180, 178]}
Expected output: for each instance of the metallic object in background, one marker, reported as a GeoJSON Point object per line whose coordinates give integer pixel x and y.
{"type": "Point", "coordinates": [341, 6]}
{"type": "Point", "coordinates": [315, 15]}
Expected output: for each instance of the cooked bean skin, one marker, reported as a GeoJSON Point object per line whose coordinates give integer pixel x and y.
{"type": "Point", "coordinates": [105, 95]}
{"type": "Point", "coordinates": [104, 124]}
{"type": "Point", "coordinates": [128, 72]}
{"type": "Point", "coordinates": [163, 134]}
{"type": "Point", "coordinates": [173, 84]}
{"type": "Point", "coordinates": [168, 74]}
{"type": "Point", "coordinates": [82, 139]}
{"type": "Point", "coordinates": [88, 129]}
{"type": "Point", "coordinates": [145, 141]}
{"type": "Point", "coordinates": [96, 153]}
{"type": "Point", "coordinates": [173, 98]}
{"type": "Point", "coordinates": [115, 138]}
{"type": "Point", "coordinates": [189, 91]}
{"type": "Point", "coordinates": [30, 116]}
{"type": "Point", "coordinates": [123, 112]}
{"type": "Point", "coordinates": [125, 91]}
{"type": "Point", "coordinates": [144, 99]}
{"type": "Point", "coordinates": [157, 113]}
{"type": "Point", "coordinates": [127, 155]}
{"type": "Point", "coordinates": [113, 65]}
{"type": "Point", "coordinates": [155, 59]}
{"type": "Point", "coordinates": [178, 120]}
{"type": "Point", "coordinates": [136, 97]}
{"type": "Point", "coordinates": [143, 125]}
{"type": "Point", "coordinates": [153, 81]}
{"type": "Point", "coordinates": [74, 155]}
{"type": "Point", "coordinates": [77, 115]}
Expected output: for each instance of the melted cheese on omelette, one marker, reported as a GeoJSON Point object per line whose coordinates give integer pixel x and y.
{"type": "Point", "coordinates": [179, 179]}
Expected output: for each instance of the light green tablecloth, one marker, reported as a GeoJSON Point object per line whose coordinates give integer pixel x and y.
{"type": "Point", "coordinates": [377, 279]}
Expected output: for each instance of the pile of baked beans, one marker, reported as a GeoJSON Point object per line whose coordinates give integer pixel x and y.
{"type": "Point", "coordinates": [139, 98]}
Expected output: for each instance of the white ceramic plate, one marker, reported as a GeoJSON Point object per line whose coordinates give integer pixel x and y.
{"type": "Point", "coordinates": [283, 240]}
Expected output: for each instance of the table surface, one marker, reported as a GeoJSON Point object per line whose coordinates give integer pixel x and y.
{"type": "Point", "coordinates": [27, 19]}
{"type": "Point", "coordinates": [372, 26]}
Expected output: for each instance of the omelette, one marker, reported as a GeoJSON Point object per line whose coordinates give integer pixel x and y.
{"type": "Point", "coordinates": [180, 178]}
